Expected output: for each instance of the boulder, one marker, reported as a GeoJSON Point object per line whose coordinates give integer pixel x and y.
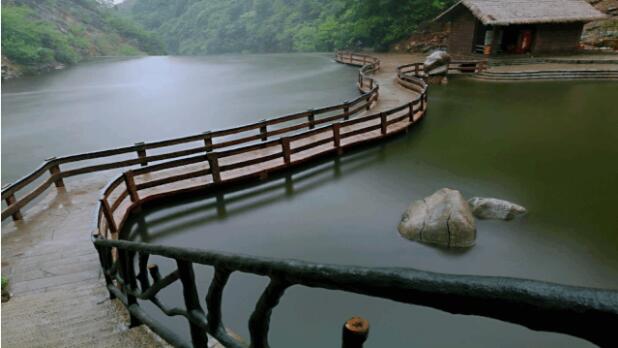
{"type": "Point", "coordinates": [437, 63]}
{"type": "Point", "coordinates": [443, 219]}
{"type": "Point", "coordinates": [493, 208]}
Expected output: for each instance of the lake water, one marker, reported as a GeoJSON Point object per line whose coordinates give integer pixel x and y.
{"type": "Point", "coordinates": [550, 146]}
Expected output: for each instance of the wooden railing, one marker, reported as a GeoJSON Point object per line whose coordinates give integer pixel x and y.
{"type": "Point", "coordinates": [131, 278]}
{"type": "Point", "coordinates": [52, 172]}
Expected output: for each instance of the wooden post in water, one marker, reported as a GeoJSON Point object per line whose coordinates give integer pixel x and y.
{"type": "Point", "coordinates": [264, 130]}
{"type": "Point", "coordinates": [55, 170]}
{"type": "Point", "coordinates": [355, 332]}
{"type": "Point", "coordinates": [10, 200]}
{"type": "Point", "coordinates": [141, 153]}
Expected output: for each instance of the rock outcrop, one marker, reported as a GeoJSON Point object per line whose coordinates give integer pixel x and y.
{"type": "Point", "coordinates": [443, 219]}
{"type": "Point", "coordinates": [493, 208]}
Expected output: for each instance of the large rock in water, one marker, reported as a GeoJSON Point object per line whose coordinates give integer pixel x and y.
{"type": "Point", "coordinates": [493, 208]}
{"type": "Point", "coordinates": [444, 219]}
{"type": "Point", "coordinates": [437, 63]}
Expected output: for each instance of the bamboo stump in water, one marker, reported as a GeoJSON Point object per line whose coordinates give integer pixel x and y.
{"type": "Point", "coordinates": [355, 332]}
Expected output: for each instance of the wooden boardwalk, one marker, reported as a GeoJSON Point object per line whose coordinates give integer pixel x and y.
{"type": "Point", "coordinates": [59, 296]}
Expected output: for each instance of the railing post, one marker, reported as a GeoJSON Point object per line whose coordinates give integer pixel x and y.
{"type": "Point", "coordinates": [109, 216]}
{"type": "Point", "coordinates": [264, 130]}
{"type": "Point", "coordinates": [129, 181]}
{"type": "Point", "coordinates": [105, 259]}
{"type": "Point", "coordinates": [368, 106]}
{"type": "Point", "coordinates": [213, 162]}
{"type": "Point", "coordinates": [192, 302]}
{"type": "Point", "coordinates": [214, 298]}
{"type": "Point", "coordinates": [383, 123]}
{"type": "Point", "coordinates": [10, 200]}
{"type": "Point", "coordinates": [285, 144]}
{"type": "Point", "coordinates": [130, 282]}
{"type": "Point", "coordinates": [346, 111]}
{"type": "Point", "coordinates": [208, 141]}
{"type": "Point", "coordinates": [311, 118]}
{"type": "Point", "coordinates": [54, 170]}
{"type": "Point", "coordinates": [141, 153]}
{"type": "Point", "coordinates": [337, 137]}
{"type": "Point", "coordinates": [411, 112]}
{"type": "Point", "coordinates": [355, 332]}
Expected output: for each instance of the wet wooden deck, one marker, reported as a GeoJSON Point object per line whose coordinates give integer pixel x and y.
{"type": "Point", "coordinates": [58, 294]}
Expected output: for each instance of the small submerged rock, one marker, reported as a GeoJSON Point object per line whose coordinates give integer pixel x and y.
{"type": "Point", "coordinates": [443, 219]}
{"type": "Point", "coordinates": [493, 208]}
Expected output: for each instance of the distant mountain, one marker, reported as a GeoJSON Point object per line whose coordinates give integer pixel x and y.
{"type": "Point", "coordinates": [42, 35]}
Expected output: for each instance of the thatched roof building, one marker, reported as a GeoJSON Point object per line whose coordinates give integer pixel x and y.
{"type": "Point", "coordinates": [517, 26]}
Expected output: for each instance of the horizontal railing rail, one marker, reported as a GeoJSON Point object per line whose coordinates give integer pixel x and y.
{"type": "Point", "coordinates": [50, 172]}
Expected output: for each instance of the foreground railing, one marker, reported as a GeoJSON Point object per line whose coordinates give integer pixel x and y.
{"type": "Point", "coordinates": [591, 314]}
{"type": "Point", "coordinates": [23, 191]}
{"type": "Point", "coordinates": [130, 277]}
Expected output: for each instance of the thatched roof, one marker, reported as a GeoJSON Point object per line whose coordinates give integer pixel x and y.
{"type": "Point", "coordinates": [508, 12]}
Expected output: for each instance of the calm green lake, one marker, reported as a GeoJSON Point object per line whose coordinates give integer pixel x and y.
{"type": "Point", "coordinates": [550, 146]}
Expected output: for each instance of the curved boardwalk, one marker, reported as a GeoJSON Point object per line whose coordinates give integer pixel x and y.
{"type": "Point", "coordinates": [59, 296]}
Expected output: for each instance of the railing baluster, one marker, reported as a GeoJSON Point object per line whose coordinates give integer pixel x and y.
{"type": "Point", "coordinates": [214, 299]}
{"type": "Point", "coordinates": [213, 162]}
{"type": "Point", "coordinates": [383, 123]}
{"type": "Point", "coordinates": [54, 170]}
{"type": "Point", "coordinates": [192, 302]}
{"type": "Point", "coordinates": [337, 137]}
{"type": "Point", "coordinates": [311, 119]}
{"type": "Point", "coordinates": [259, 322]}
{"type": "Point", "coordinates": [142, 276]}
{"type": "Point", "coordinates": [411, 112]}
{"type": "Point", "coordinates": [10, 200]}
{"type": "Point", "coordinates": [285, 145]}
{"type": "Point", "coordinates": [129, 180]}
{"type": "Point", "coordinates": [127, 269]}
{"type": "Point", "coordinates": [141, 153]}
{"type": "Point", "coordinates": [109, 215]}
{"type": "Point", "coordinates": [346, 110]}
{"type": "Point", "coordinates": [264, 130]}
{"type": "Point", "coordinates": [208, 141]}
{"type": "Point", "coordinates": [105, 259]}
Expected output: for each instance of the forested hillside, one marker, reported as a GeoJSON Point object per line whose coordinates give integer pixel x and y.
{"type": "Point", "coordinates": [43, 34]}
{"type": "Point", "coordinates": [221, 26]}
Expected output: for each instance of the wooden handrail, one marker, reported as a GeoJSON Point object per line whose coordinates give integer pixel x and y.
{"type": "Point", "coordinates": [263, 131]}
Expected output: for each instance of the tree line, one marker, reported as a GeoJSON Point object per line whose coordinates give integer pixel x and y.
{"type": "Point", "coordinates": [224, 26]}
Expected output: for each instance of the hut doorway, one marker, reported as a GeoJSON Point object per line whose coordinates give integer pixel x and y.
{"type": "Point", "coordinates": [517, 39]}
